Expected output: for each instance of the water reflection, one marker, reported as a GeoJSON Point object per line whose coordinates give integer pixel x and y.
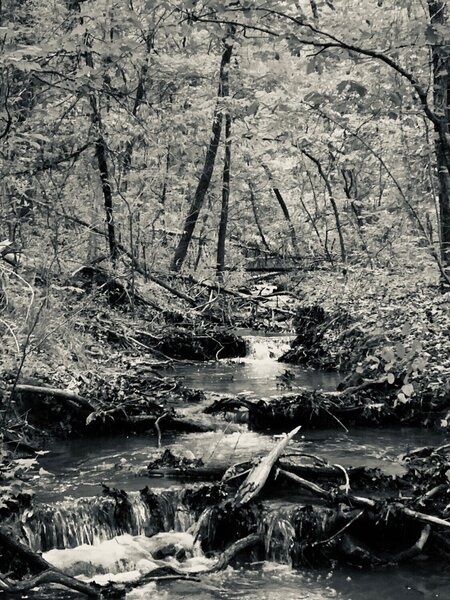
{"type": "Point", "coordinates": [78, 467]}
{"type": "Point", "coordinates": [259, 374]}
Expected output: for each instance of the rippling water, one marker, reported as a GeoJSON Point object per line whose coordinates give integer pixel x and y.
{"type": "Point", "coordinates": [78, 467]}
{"type": "Point", "coordinates": [271, 581]}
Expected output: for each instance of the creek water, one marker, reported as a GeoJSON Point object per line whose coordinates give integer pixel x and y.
{"type": "Point", "coordinates": [258, 375]}
{"type": "Point", "coordinates": [68, 513]}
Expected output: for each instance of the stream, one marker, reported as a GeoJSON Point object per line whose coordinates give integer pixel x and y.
{"type": "Point", "coordinates": [69, 513]}
{"type": "Point", "coordinates": [258, 375]}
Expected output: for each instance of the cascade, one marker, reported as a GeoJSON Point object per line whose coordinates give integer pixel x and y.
{"type": "Point", "coordinates": [72, 522]}
{"type": "Point", "coordinates": [279, 532]}
{"type": "Point", "coordinates": [266, 348]}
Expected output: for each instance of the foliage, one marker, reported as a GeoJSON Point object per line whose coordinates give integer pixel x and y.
{"type": "Point", "coordinates": [15, 489]}
{"type": "Point", "coordinates": [327, 125]}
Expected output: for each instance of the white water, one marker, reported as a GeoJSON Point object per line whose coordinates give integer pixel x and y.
{"type": "Point", "coordinates": [127, 553]}
{"type": "Point", "coordinates": [266, 348]}
{"type": "Point", "coordinates": [94, 520]}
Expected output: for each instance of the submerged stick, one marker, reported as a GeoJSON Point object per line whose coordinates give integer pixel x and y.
{"type": "Point", "coordinates": [158, 428]}
{"type": "Point", "coordinates": [49, 576]}
{"type": "Point", "coordinates": [229, 553]}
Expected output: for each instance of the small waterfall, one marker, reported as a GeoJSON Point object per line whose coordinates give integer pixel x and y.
{"type": "Point", "coordinates": [69, 523]}
{"type": "Point", "coordinates": [266, 348]}
{"type": "Point", "coordinates": [279, 533]}
{"type": "Point", "coordinates": [293, 531]}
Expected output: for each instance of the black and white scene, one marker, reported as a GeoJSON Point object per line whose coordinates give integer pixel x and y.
{"type": "Point", "coordinates": [225, 299]}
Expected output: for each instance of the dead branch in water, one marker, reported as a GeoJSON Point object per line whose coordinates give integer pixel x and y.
{"type": "Point", "coordinates": [353, 500]}
{"type": "Point", "coordinates": [46, 572]}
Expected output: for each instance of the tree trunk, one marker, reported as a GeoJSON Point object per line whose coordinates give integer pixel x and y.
{"type": "Point", "coordinates": [438, 10]}
{"type": "Point", "coordinates": [101, 155]}
{"type": "Point", "coordinates": [287, 216]}
{"type": "Point", "coordinates": [351, 191]}
{"type": "Point", "coordinates": [225, 185]}
{"type": "Point", "coordinates": [208, 168]}
{"type": "Point", "coordinates": [255, 215]}
{"type": "Point", "coordinates": [332, 202]}
{"type": "Point", "coordinates": [285, 211]}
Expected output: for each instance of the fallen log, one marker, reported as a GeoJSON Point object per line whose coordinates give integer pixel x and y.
{"type": "Point", "coordinates": [196, 473]}
{"type": "Point", "coordinates": [324, 472]}
{"type": "Point", "coordinates": [111, 417]}
{"type": "Point", "coordinates": [75, 400]}
{"type": "Point", "coordinates": [257, 477]}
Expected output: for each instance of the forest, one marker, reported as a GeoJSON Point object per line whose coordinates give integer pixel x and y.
{"type": "Point", "coordinates": [225, 299]}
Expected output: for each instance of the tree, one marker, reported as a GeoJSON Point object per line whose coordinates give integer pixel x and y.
{"type": "Point", "coordinates": [282, 21]}
{"type": "Point", "coordinates": [222, 234]}
{"type": "Point", "coordinates": [440, 53]}
{"type": "Point", "coordinates": [210, 158]}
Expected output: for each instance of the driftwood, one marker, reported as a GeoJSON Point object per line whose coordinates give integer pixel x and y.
{"type": "Point", "coordinates": [257, 477]}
